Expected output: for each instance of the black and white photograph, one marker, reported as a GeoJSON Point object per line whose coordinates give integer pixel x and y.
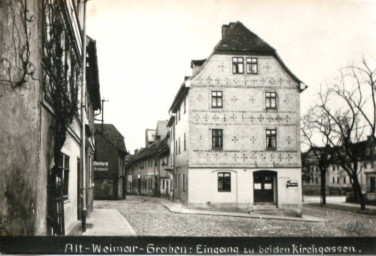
{"type": "Point", "coordinates": [167, 126]}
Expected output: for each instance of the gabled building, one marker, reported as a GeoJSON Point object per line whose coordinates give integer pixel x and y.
{"type": "Point", "coordinates": [109, 172]}
{"type": "Point", "coordinates": [236, 127]}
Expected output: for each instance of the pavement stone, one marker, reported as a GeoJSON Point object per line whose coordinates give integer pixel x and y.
{"type": "Point", "coordinates": [149, 217]}
{"type": "Point", "coordinates": [107, 222]}
{"type": "Point", "coordinates": [179, 208]}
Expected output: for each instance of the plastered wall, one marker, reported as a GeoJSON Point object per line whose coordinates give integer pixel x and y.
{"type": "Point", "coordinates": [244, 117]}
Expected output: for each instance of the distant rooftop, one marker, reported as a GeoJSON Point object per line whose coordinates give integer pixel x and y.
{"type": "Point", "coordinates": [237, 38]}
{"type": "Point", "coordinates": [112, 134]}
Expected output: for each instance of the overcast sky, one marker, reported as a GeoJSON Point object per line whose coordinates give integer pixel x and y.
{"type": "Point", "coordinates": [145, 47]}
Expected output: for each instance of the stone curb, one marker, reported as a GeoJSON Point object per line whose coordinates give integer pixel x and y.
{"type": "Point", "coordinates": [101, 226]}
{"type": "Point", "coordinates": [129, 227]}
{"type": "Point", "coordinates": [183, 210]}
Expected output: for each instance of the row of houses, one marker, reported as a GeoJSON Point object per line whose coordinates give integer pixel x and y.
{"type": "Point", "coordinates": [146, 169]}
{"type": "Point", "coordinates": [233, 134]}
{"type": "Point", "coordinates": [337, 181]}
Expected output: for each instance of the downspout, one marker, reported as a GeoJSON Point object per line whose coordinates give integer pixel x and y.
{"type": "Point", "coordinates": [174, 163]}
{"type": "Point", "coordinates": [83, 135]}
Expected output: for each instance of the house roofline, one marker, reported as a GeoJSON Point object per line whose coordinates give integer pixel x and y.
{"type": "Point", "coordinates": [183, 91]}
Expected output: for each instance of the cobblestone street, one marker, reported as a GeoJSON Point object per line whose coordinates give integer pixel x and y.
{"type": "Point", "coordinates": [149, 217]}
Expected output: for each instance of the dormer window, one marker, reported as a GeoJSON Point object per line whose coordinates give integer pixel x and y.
{"type": "Point", "coordinates": [252, 66]}
{"type": "Point", "coordinates": [238, 65]}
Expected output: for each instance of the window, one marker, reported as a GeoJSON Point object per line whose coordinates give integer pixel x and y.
{"type": "Point", "coordinates": [344, 180]}
{"type": "Point", "coordinates": [64, 165]}
{"type": "Point", "coordinates": [270, 100]}
{"type": "Point", "coordinates": [372, 184]}
{"type": "Point", "coordinates": [184, 182]}
{"type": "Point", "coordinates": [217, 139]}
{"type": "Point", "coordinates": [185, 142]}
{"type": "Point", "coordinates": [217, 99]}
{"type": "Point", "coordinates": [252, 67]}
{"type": "Point", "coordinates": [271, 138]}
{"type": "Point", "coordinates": [337, 180]}
{"type": "Point", "coordinates": [224, 182]}
{"type": "Point", "coordinates": [333, 180]}
{"type": "Point", "coordinates": [237, 65]}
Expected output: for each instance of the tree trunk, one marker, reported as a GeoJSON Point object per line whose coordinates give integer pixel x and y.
{"type": "Point", "coordinates": [323, 192]}
{"type": "Point", "coordinates": [358, 193]}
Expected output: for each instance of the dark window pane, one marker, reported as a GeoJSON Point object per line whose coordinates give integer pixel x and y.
{"type": "Point", "coordinates": [271, 139]}
{"type": "Point", "coordinates": [224, 182]}
{"type": "Point", "coordinates": [217, 138]}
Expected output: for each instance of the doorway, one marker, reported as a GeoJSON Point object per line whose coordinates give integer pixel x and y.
{"type": "Point", "coordinates": [372, 181]}
{"type": "Point", "coordinates": [79, 189]}
{"type": "Point", "coordinates": [139, 185]}
{"type": "Point", "coordinates": [264, 186]}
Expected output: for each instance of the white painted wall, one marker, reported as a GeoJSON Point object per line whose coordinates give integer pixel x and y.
{"type": "Point", "coordinates": [203, 187]}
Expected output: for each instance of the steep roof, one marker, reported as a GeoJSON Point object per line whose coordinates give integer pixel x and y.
{"type": "Point", "coordinates": [156, 149]}
{"type": "Point", "coordinates": [237, 38]}
{"type": "Point", "coordinates": [183, 91]}
{"type": "Point", "coordinates": [112, 135]}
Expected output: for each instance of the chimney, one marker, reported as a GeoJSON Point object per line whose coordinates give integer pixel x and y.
{"type": "Point", "coordinates": [224, 30]}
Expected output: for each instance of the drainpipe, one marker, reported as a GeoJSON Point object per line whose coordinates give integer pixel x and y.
{"type": "Point", "coordinates": [83, 135]}
{"type": "Point", "coordinates": [174, 161]}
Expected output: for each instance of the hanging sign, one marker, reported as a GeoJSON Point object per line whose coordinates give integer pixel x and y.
{"type": "Point", "coordinates": [101, 166]}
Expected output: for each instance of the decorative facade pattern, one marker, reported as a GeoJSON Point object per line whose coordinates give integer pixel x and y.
{"type": "Point", "coordinates": [242, 127]}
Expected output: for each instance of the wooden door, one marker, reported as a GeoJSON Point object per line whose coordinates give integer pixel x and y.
{"type": "Point", "coordinates": [263, 186]}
